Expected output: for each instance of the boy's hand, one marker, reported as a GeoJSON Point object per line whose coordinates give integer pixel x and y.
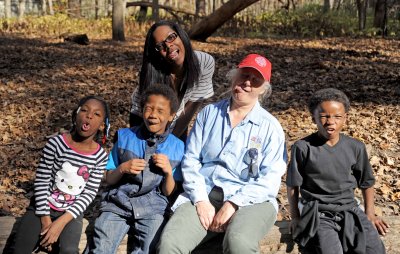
{"type": "Point", "coordinates": [379, 224]}
{"type": "Point", "coordinates": [293, 224]}
{"type": "Point", "coordinates": [134, 166]}
{"type": "Point", "coordinates": [162, 161]}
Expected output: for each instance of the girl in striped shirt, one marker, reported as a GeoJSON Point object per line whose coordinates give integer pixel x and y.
{"type": "Point", "coordinates": [67, 180]}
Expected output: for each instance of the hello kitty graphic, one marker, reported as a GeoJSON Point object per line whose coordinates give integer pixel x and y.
{"type": "Point", "coordinates": [69, 183]}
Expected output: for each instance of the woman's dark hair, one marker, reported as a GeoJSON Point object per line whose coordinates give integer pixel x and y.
{"type": "Point", "coordinates": [106, 130]}
{"type": "Point", "coordinates": [159, 89]}
{"type": "Point", "coordinates": [328, 94]}
{"type": "Point", "coordinates": [155, 69]}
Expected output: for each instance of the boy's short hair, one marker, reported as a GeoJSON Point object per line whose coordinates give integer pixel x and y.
{"type": "Point", "coordinates": [328, 94]}
{"type": "Point", "coordinates": [164, 90]}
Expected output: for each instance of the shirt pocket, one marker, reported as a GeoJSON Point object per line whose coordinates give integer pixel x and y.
{"type": "Point", "coordinates": [234, 161]}
{"type": "Point", "coordinates": [246, 164]}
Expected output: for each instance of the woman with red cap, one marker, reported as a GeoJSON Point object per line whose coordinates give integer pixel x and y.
{"type": "Point", "coordinates": [232, 169]}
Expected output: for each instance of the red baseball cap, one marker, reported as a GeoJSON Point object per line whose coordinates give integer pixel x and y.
{"type": "Point", "coordinates": [258, 62]}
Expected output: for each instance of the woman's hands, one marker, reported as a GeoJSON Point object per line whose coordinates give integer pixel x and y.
{"type": "Point", "coordinates": [206, 212]}
{"type": "Point", "coordinates": [222, 218]}
{"type": "Point", "coordinates": [215, 222]}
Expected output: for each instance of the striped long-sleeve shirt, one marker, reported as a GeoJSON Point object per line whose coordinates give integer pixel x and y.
{"type": "Point", "coordinates": [67, 180]}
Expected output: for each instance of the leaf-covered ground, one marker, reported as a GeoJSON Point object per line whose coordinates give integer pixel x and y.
{"type": "Point", "coordinates": [42, 79]}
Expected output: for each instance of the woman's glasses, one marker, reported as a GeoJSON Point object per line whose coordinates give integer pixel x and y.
{"type": "Point", "coordinates": [162, 45]}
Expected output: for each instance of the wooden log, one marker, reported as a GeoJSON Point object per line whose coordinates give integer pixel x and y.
{"type": "Point", "coordinates": [81, 39]}
{"type": "Point", "coordinates": [277, 241]}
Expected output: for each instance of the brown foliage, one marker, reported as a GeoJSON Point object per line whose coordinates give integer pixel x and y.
{"type": "Point", "coordinates": [41, 80]}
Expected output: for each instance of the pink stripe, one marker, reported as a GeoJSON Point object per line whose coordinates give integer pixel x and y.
{"type": "Point", "coordinates": [55, 208]}
{"type": "Point", "coordinates": [73, 148]}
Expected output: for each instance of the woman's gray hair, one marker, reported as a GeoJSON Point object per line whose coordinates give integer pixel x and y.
{"type": "Point", "coordinates": [268, 89]}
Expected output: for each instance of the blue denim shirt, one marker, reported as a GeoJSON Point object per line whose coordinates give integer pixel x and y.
{"type": "Point", "coordinates": [217, 155]}
{"type": "Point", "coordinates": [140, 195]}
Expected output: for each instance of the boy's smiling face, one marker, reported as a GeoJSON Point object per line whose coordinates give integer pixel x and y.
{"type": "Point", "coordinates": [157, 113]}
{"type": "Point", "coordinates": [330, 117]}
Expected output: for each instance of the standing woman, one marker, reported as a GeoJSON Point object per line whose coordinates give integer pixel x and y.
{"type": "Point", "coordinates": [169, 58]}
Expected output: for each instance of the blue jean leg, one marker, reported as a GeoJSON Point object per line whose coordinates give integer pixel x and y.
{"type": "Point", "coordinates": [147, 233]}
{"type": "Point", "coordinates": [109, 230]}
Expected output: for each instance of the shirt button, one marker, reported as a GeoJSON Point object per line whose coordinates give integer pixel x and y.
{"type": "Point", "coordinates": [137, 214]}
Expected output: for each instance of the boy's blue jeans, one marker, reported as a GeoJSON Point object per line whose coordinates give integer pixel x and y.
{"type": "Point", "coordinates": [111, 228]}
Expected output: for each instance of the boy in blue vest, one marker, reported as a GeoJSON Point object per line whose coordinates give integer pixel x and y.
{"type": "Point", "coordinates": [141, 173]}
{"type": "Point", "coordinates": [325, 168]}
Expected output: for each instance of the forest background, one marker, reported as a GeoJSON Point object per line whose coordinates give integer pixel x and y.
{"type": "Point", "coordinates": [349, 44]}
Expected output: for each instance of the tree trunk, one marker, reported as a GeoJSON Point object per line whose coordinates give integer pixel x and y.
{"type": "Point", "coordinates": [44, 9]}
{"type": "Point", "coordinates": [293, 4]}
{"type": "Point", "coordinates": [362, 13]}
{"type": "Point", "coordinates": [108, 4]}
{"type": "Point", "coordinates": [142, 13]}
{"type": "Point", "coordinates": [200, 8]}
{"type": "Point", "coordinates": [96, 9]}
{"type": "Point", "coordinates": [74, 8]}
{"type": "Point", "coordinates": [51, 10]}
{"type": "Point", "coordinates": [380, 15]}
{"type": "Point", "coordinates": [337, 4]}
{"type": "Point", "coordinates": [328, 5]}
{"type": "Point", "coordinates": [7, 6]}
{"type": "Point", "coordinates": [21, 9]}
{"type": "Point", "coordinates": [118, 20]}
{"type": "Point", "coordinates": [155, 12]}
{"type": "Point", "coordinates": [209, 24]}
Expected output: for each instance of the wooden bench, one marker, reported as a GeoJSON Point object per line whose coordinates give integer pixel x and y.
{"type": "Point", "coordinates": [278, 240]}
